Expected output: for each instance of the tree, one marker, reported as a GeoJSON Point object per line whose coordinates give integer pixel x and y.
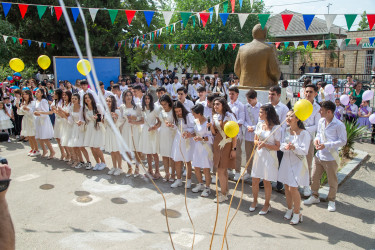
{"type": "Point", "coordinates": [363, 24]}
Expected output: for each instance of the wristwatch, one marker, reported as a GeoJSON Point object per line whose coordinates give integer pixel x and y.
{"type": "Point", "coordinates": [234, 149]}
{"type": "Point", "coordinates": [203, 138]}
{"type": "Point", "coordinates": [4, 184]}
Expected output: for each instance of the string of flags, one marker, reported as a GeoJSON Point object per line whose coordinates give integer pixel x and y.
{"type": "Point", "coordinates": [314, 43]}
{"type": "Point", "coordinates": [28, 41]}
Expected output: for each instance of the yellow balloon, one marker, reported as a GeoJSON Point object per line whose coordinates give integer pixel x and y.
{"type": "Point", "coordinates": [303, 109]}
{"type": "Point", "coordinates": [44, 61]}
{"type": "Point", "coordinates": [81, 68]}
{"type": "Point", "coordinates": [231, 129]}
{"type": "Point", "coordinates": [139, 74]}
{"type": "Point", "coordinates": [16, 64]}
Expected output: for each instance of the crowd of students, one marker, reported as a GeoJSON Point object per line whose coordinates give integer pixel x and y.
{"type": "Point", "coordinates": [184, 125]}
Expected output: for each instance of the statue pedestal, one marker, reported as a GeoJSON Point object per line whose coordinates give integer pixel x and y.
{"type": "Point", "coordinates": [262, 95]}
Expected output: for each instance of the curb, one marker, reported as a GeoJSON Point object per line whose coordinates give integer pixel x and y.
{"type": "Point", "coordinates": [345, 173]}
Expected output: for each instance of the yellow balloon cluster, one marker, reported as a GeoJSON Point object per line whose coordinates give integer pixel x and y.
{"type": "Point", "coordinates": [16, 64]}
{"type": "Point", "coordinates": [303, 109]}
{"type": "Point", "coordinates": [44, 62]}
{"type": "Point", "coordinates": [231, 129]}
{"type": "Point", "coordinates": [139, 74]}
{"type": "Point", "coordinates": [81, 68]}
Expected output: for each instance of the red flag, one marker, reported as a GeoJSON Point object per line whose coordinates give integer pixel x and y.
{"type": "Point", "coordinates": [155, 33]}
{"type": "Point", "coordinates": [159, 46]}
{"type": "Point", "coordinates": [277, 44]}
{"type": "Point", "coordinates": [48, 44]}
{"type": "Point", "coordinates": [20, 40]}
{"type": "Point", "coordinates": [286, 19]}
{"type": "Point", "coordinates": [233, 2]}
{"type": "Point", "coordinates": [129, 15]}
{"type": "Point", "coordinates": [58, 12]}
{"type": "Point", "coordinates": [181, 46]}
{"type": "Point", "coordinates": [358, 40]}
{"type": "Point", "coordinates": [204, 18]}
{"type": "Point", "coordinates": [23, 9]}
{"type": "Point", "coordinates": [205, 46]}
{"type": "Point", "coordinates": [234, 45]}
{"type": "Point", "coordinates": [137, 42]}
{"type": "Point", "coordinates": [371, 20]}
{"type": "Point", "coordinates": [316, 42]}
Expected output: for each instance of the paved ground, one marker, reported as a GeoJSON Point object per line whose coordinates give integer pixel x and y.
{"type": "Point", "coordinates": [55, 219]}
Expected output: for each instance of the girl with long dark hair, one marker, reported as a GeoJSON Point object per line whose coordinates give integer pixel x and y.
{"type": "Point", "coordinates": [66, 132]}
{"type": "Point", "coordinates": [265, 164]}
{"type": "Point", "coordinates": [57, 105]}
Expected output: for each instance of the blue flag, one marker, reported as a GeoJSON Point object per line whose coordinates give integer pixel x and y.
{"type": "Point", "coordinates": [305, 43]}
{"type": "Point", "coordinates": [75, 12]}
{"type": "Point", "coordinates": [371, 39]}
{"type": "Point", "coordinates": [186, 46]}
{"type": "Point", "coordinates": [211, 10]}
{"type": "Point", "coordinates": [224, 17]}
{"type": "Point", "coordinates": [44, 45]}
{"type": "Point", "coordinates": [6, 8]}
{"type": "Point", "coordinates": [308, 19]}
{"type": "Point", "coordinates": [29, 42]}
{"type": "Point", "coordinates": [149, 15]}
{"type": "Point", "coordinates": [212, 46]}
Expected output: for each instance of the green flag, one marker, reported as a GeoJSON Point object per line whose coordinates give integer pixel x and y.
{"type": "Point", "coordinates": [327, 42]}
{"type": "Point", "coordinates": [171, 28]}
{"type": "Point", "coordinates": [226, 46]}
{"type": "Point", "coordinates": [14, 39]}
{"type": "Point", "coordinates": [41, 10]}
{"type": "Point", "coordinates": [175, 46]}
{"type": "Point", "coordinates": [225, 6]}
{"type": "Point", "coordinates": [350, 19]}
{"type": "Point", "coordinates": [286, 44]}
{"type": "Point", "coordinates": [347, 41]}
{"type": "Point", "coordinates": [199, 46]}
{"type": "Point", "coordinates": [152, 36]}
{"type": "Point", "coordinates": [53, 45]}
{"type": "Point", "coordinates": [263, 18]}
{"type": "Point", "coordinates": [193, 17]}
{"type": "Point", "coordinates": [112, 15]}
{"type": "Point", "coordinates": [185, 17]}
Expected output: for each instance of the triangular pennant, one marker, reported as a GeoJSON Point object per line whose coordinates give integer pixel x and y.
{"type": "Point", "coordinates": [165, 46]}
{"type": "Point", "coordinates": [358, 40]}
{"type": "Point", "coordinates": [48, 44]}
{"type": "Point", "coordinates": [186, 46]}
{"type": "Point", "coordinates": [240, 1]}
{"type": "Point", "coordinates": [152, 36]}
{"type": "Point", "coordinates": [161, 31]}
{"type": "Point", "coordinates": [185, 17]}
{"type": "Point", "coordinates": [224, 17]}
{"type": "Point", "coordinates": [205, 46]}
{"type": "Point", "coordinates": [44, 45]}
{"type": "Point", "coordinates": [308, 19]}
{"type": "Point", "coordinates": [204, 17]}
{"type": "Point", "coordinates": [263, 18]}
{"type": "Point", "coordinates": [137, 43]}
{"type": "Point", "coordinates": [193, 17]}
{"type": "Point", "coordinates": [211, 10]}
{"type": "Point", "coordinates": [199, 46]}
{"type": "Point", "coordinates": [40, 44]}
{"type": "Point", "coordinates": [181, 46]}
{"type": "Point", "coordinates": [167, 16]}
{"type": "Point", "coordinates": [130, 15]}
{"type": "Point", "coordinates": [371, 40]}
{"type": "Point", "coordinates": [149, 15]}
{"type": "Point", "coordinates": [212, 46]}
{"type": "Point", "coordinates": [75, 12]}
{"type": "Point", "coordinates": [112, 14]}
{"type": "Point", "coordinates": [14, 39]}
{"type": "Point", "coordinates": [53, 45]}
{"type": "Point", "coordinates": [286, 19]}
{"type": "Point", "coordinates": [93, 13]}
{"type": "Point", "coordinates": [219, 46]}
{"type": "Point", "coordinates": [305, 43]}
{"type": "Point", "coordinates": [241, 44]}
{"type": "Point", "coordinates": [234, 45]}
{"type": "Point", "coordinates": [316, 42]}
{"type": "Point", "coordinates": [286, 44]}
{"type": "Point", "coordinates": [172, 26]}
{"type": "Point", "coordinates": [199, 18]}
{"type": "Point", "coordinates": [371, 20]}
{"type": "Point", "coordinates": [192, 46]}
{"type": "Point", "coordinates": [23, 9]}
{"type": "Point", "coordinates": [327, 42]}
{"type": "Point", "coordinates": [329, 20]}
{"type": "Point", "coordinates": [143, 45]}
{"type": "Point", "coordinates": [20, 40]}
{"type": "Point", "coordinates": [41, 9]}
{"type": "Point", "coordinates": [6, 8]}
{"type": "Point", "coordinates": [296, 44]}
{"type": "Point", "coordinates": [226, 46]}
{"type": "Point", "coordinates": [242, 18]}
{"type": "Point", "coordinates": [225, 6]}
{"type": "Point", "coordinates": [347, 40]}
{"type": "Point", "coordinates": [29, 42]}
{"type": "Point", "coordinates": [350, 19]}
{"type": "Point", "coordinates": [339, 42]}
{"type": "Point", "coordinates": [233, 3]}
{"type": "Point", "coordinates": [58, 12]}
{"type": "Point", "coordinates": [170, 45]}
{"type": "Point", "coordinates": [277, 44]}
{"type": "Point", "coordinates": [159, 46]}
{"type": "Point", "coordinates": [5, 38]}
{"type": "Point", "coordinates": [217, 11]}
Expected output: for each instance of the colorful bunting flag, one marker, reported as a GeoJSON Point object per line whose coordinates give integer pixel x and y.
{"type": "Point", "coordinates": [58, 12]}
{"type": "Point", "coordinates": [40, 44]}
{"type": "Point", "coordinates": [296, 44]}
{"type": "Point", "coordinates": [219, 46]}
{"type": "Point", "coordinates": [316, 42]}
{"type": "Point", "coordinates": [185, 17]}
{"type": "Point", "coordinates": [350, 19]}
{"type": "Point", "coordinates": [226, 46]}
{"type": "Point", "coordinates": [199, 46]}
{"type": "Point", "coordinates": [251, 3]}
{"type": "Point", "coordinates": [371, 40]}
{"type": "Point", "coordinates": [212, 46]}
{"type": "Point", "coordinates": [192, 46]}
{"type": "Point", "coordinates": [277, 44]}
{"type": "Point", "coordinates": [112, 14]}
{"type": "Point", "coordinates": [205, 46]}
{"type": "Point", "coordinates": [225, 6]}
{"type": "Point", "coordinates": [93, 12]}
{"type": "Point", "coordinates": [233, 3]}
{"type": "Point", "coordinates": [186, 46]}
{"type": "Point", "coordinates": [5, 38]}
{"type": "Point", "coordinates": [14, 39]}
{"type": "Point", "coordinates": [130, 15]}
{"type": "Point", "coordinates": [240, 1]}
{"type": "Point", "coordinates": [224, 17]}
{"type": "Point", "coordinates": [263, 18]}
{"type": "Point", "coordinates": [6, 8]}
{"type": "Point", "coordinates": [159, 46]}
{"type": "Point", "coordinates": [358, 40]}
{"type": "Point", "coordinates": [347, 40]}
{"type": "Point", "coordinates": [75, 12]}
{"type": "Point", "coordinates": [217, 11]}
{"type": "Point", "coordinates": [204, 17]}
{"type": "Point", "coordinates": [339, 42]}
{"type": "Point", "coordinates": [193, 17]}
{"type": "Point", "coordinates": [308, 20]}
{"type": "Point", "coordinates": [167, 16]}
{"type": "Point", "coordinates": [41, 9]}
{"type": "Point", "coordinates": [234, 45]}
{"type": "Point", "coordinates": [20, 40]}
{"type": "Point", "coordinates": [371, 20]}
{"type": "Point", "coordinates": [286, 44]}
{"type": "Point", "coordinates": [242, 18]}
{"type": "Point", "coordinates": [329, 20]}
{"type": "Point", "coordinates": [327, 42]}
{"type": "Point", "coordinates": [29, 42]}
{"type": "Point", "coordinates": [211, 10]}
{"type": "Point", "coordinates": [149, 15]}
{"type": "Point", "coordinates": [23, 9]}
{"type": "Point", "coordinates": [44, 44]}
{"type": "Point", "coordinates": [286, 19]}
{"type": "Point", "coordinates": [305, 43]}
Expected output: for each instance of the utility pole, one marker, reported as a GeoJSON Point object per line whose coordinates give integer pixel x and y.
{"type": "Point", "coordinates": [329, 4]}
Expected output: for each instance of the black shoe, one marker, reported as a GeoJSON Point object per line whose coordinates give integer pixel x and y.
{"type": "Point", "coordinates": [279, 186]}
{"type": "Point", "coordinates": [261, 184]}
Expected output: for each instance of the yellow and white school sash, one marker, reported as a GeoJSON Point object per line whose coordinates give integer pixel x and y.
{"type": "Point", "coordinates": [224, 139]}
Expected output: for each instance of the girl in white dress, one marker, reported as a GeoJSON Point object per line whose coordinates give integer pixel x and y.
{"type": "Point", "coordinates": [57, 103]}
{"type": "Point", "coordinates": [66, 131]}
{"type": "Point", "coordinates": [95, 131]}
{"type": "Point", "coordinates": [167, 133]}
{"type": "Point", "coordinates": [43, 124]}
{"type": "Point", "coordinates": [28, 121]}
{"type": "Point", "coordinates": [5, 121]}
{"type": "Point", "coordinates": [265, 165]}
{"type": "Point", "coordinates": [149, 142]}
{"type": "Point", "coordinates": [293, 170]}
{"type": "Point", "coordinates": [203, 152]}
{"type": "Point", "coordinates": [78, 134]}
{"type": "Point", "coordinates": [183, 144]}
{"type": "Point", "coordinates": [112, 144]}
{"type": "Point", "coordinates": [131, 130]}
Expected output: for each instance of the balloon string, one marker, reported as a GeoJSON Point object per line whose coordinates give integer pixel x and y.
{"type": "Point", "coordinates": [156, 186]}
{"type": "Point", "coordinates": [217, 212]}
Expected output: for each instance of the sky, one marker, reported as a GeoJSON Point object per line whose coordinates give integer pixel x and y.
{"type": "Point", "coordinates": [320, 7]}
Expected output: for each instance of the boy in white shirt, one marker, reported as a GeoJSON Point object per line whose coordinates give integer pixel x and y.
{"type": "Point", "coordinates": [118, 94]}
{"type": "Point", "coordinates": [123, 86]}
{"type": "Point", "coordinates": [193, 89]}
{"type": "Point", "coordinates": [182, 93]}
{"type": "Point", "coordinates": [173, 88]}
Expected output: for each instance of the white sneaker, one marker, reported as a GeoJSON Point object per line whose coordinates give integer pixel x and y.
{"type": "Point", "coordinates": [236, 176]}
{"type": "Point", "coordinates": [112, 170]}
{"type": "Point", "coordinates": [221, 198]}
{"type": "Point", "coordinates": [188, 183]}
{"type": "Point", "coordinates": [246, 176]}
{"type": "Point", "coordinates": [96, 166]}
{"type": "Point", "coordinates": [206, 192]}
{"type": "Point", "coordinates": [331, 206]}
{"type": "Point", "coordinates": [118, 171]}
{"type": "Point", "coordinates": [177, 183]}
{"type": "Point", "coordinates": [88, 165]}
{"type": "Point", "coordinates": [9, 140]}
{"type": "Point", "coordinates": [79, 165]}
{"type": "Point", "coordinates": [35, 153]}
{"type": "Point", "coordinates": [306, 191]}
{"type": "Point", "coordinates": [198, 188]}
{"type": "Point", "coordinates": [31, 151]}
{"type": "Point", "coordinates": [311, 200]}
{"type": "Point", "coordinates": [101, 166]}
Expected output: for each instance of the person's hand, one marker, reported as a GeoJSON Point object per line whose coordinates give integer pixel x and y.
{"type": "Point", "coordinates": [316, 143]}
{"type": "Point", "coordinates": [250, 129]}
{"type": "Point", "coordinates": [5, 173]}
{"type": "Point", "coordinates": [36, 113]}
{"type": "Point", "coordinates": [198, 138]}
{"type": "Point", "coordinates": [232, 154]}
{"type": "Point", "coordinates": [26, 108]}
{"type": "Point", "coordinates": [261, 145]}
{"type": "Point", "coordinates": [291, 147]}
{"type": "Point", "coordinates": [79, 123]}
{"type": "Point", "coordinates": [320, 147]}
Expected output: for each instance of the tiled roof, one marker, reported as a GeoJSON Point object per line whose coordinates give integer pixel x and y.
{"type": "Point", "coordinates": [297, 27]}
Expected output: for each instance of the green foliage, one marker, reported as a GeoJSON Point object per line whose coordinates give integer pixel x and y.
{"type": "Point", "coordinates": [363, 24]}
{"type": "Point", "coordinates": [354, 132]}
{"type": "Point", "coordinates": [290, 52]}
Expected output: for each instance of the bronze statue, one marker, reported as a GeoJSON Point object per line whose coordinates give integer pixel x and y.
{"type": "Point", "coordinates": [256, 63]}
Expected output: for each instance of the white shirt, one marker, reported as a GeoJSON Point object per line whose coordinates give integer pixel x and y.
{"type": "Point", "coordinates": [193, 90]}
{"type": "Point", "coordinates": [107, 93]}
{"type": "Point", "coordinates": [335, 135]}
{"type": "Point", "coordinates": [123, 88]}
{"type": "Point", "coordinates": [82, 93]}
{"type": "Point", "coordinates": [281, 110]}
{"type": "Point", "coordinates": [188, 104]}
{"type": "Point", "coordinates": [251, 119]}
{"type": "Point", "coordinates": [239, 110]}
{"type": "Point", "coordinates": [311, 124]}
{"type": "Point", "coordinates": [118, 100]}
{"type": "Point", "coordinates": [354, 109]}
{"type": "Point", "coordinates": [137, 100]}
{"type": "Point", "coordinates": [172, 89]}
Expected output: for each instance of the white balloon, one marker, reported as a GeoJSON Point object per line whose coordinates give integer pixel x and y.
{"type": "Point", "coordinates": [329, 89]}
{"type": "Point", "coordinates": [368, 95]}
{"type": "Point", "coordinates": [372, 118]}
{"type": "Point", "coordinates": [344, 99]}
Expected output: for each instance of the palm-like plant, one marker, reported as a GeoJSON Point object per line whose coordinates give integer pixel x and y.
{"type": "Point", "coordinates": [354, 132]}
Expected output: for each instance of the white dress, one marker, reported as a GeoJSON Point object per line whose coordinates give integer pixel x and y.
{"type": "Point", "coordinates": [5, 122]}
{"type": "Point", "coordinates": [265, 165]}
{"type": "Point", "coordinates": [294, 170]}
{"type": "Point", "coordinates": [28, 120]}
{"type": "Point", "coordinates": [66, 128]}
{"type": "Point", "coordinates": [149, 142]}
{"type": "Point", "coordinates": [77, 133]}
{"type": "Point", "coordinates": [166, 134]}
{"type": "Point", "coordinates": [112, 143]}
{"type": "Point", "coordinates": [184, 150]}
{"type": "Point", "coordinates": [43, 124]}
{"type": "Point", "coordinates": [94, 137]}
{"type": "Point", "coordinates": [57, 129]}
{"type": "Point", "coordinates": [203, 151]}
{"type": "Point", "coordinates": [127, 128]}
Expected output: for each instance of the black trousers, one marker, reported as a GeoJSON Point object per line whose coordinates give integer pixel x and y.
{"type": "Point", "coordinates": [17, 123]}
